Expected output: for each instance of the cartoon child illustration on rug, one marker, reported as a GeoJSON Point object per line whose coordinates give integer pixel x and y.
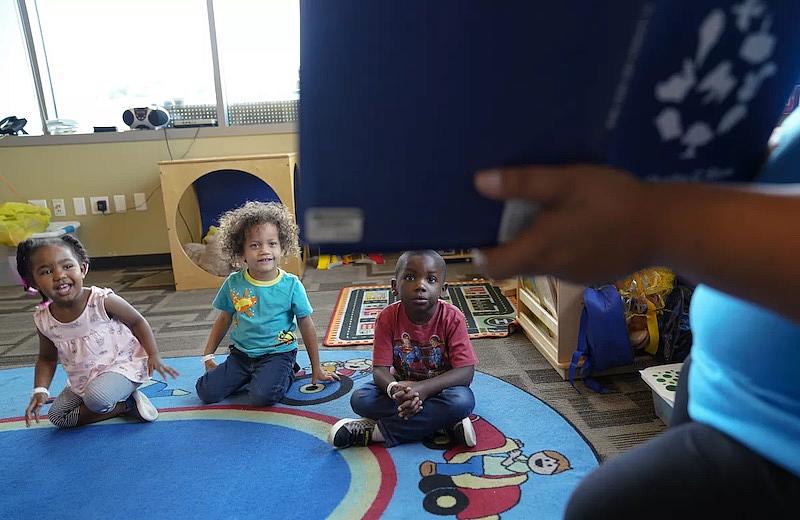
{"type": "Point", "coordinates": [496, 466]}
{"type": "Point", "coordinates": [355, 368]}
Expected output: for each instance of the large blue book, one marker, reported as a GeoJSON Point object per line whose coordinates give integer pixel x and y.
{"type": "Point", "coordinates": [401, 102]}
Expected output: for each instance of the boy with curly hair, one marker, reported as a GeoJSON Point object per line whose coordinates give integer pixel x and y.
{"type": "Point", "coordinates": [264, 304]}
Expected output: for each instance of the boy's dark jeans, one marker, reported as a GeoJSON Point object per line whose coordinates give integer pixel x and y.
{"type": "Point", "coordinates": [438, 412]}
{"type": "Point", "coordinates": [267, 377]}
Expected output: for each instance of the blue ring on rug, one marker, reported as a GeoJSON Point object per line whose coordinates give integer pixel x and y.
{"type": "Point", "coordinates": [304, 393]}
{"type": "Point", "coordinates": [233, 486]}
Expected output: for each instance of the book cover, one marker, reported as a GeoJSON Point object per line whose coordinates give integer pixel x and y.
{"type": "Point", "coordinates": [401, 102]}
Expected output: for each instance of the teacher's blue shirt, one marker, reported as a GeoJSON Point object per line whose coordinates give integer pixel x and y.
{"type": "Point", "coordinates": [745, 376]}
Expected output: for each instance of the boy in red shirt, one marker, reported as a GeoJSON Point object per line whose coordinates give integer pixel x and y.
{"type": "Point", "coordinates": [423, 363]}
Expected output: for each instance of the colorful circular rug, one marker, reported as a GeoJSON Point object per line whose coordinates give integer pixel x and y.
{"type": "Point", "coordinates": [234, 461]}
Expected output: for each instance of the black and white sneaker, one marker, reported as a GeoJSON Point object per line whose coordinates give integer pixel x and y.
{"type": "Point", "coordinates": [351, 432]}
{"type": "Point", "coordinates": [140, 407]}
{"type": "Point", "coordinates": [464, 433]}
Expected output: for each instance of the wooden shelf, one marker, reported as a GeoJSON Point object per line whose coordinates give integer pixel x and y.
{"type": "Point", "coordinates": [276, 170]}
{"type": "Point", "coordinates": [554, 335]}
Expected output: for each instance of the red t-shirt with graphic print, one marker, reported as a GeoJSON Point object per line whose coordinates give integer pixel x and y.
{"type": "Point", "coordinates": [420, 352]}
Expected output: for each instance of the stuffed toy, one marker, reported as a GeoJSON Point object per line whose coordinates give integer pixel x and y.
{"type": "Point", "coordinates": [209, 255]}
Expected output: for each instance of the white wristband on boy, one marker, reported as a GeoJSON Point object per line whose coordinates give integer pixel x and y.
{"type": "Point", "coordinates": [389, 388]}
{"type": "Point", "coordinates": [208, 357]}
{"type": "Point", "coordinates": [41, 390]}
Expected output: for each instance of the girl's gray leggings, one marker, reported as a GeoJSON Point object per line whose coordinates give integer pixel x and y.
{"type": "Point", "coordinates": [102, 395]}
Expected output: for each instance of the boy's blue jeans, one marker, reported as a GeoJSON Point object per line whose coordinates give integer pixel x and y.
{"type": "Point", "coordinates": [267, 377]}
{"type": "Point", "coordinates": [439, 411]}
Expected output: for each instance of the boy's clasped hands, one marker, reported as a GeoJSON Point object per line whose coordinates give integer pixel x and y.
{"type": "Point", "coordinates": [409, 396]}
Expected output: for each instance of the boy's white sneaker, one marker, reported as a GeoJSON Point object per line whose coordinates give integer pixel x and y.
{"type": "Point", "coordinates": [139, 406]}
{"type": "Point", "coordinates": [464, 433]}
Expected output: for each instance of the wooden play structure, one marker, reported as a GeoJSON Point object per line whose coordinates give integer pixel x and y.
{"type": "Point", "coordinates": [178, 176]}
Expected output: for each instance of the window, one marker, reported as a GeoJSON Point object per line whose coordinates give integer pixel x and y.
{"type": "Point", "coordinates": [97, 58]}
{"type": "Point", "coordinates": [19, 92]}
{"type": "Point", "coordinates": [259, 52]}
{"type": "Point", "coordinates": [106, 56]}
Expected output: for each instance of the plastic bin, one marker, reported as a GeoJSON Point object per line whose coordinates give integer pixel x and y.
{"type": "Point", "coordinates": [663, 381]}
{"type": "Point", "coordinates": [8, 255]}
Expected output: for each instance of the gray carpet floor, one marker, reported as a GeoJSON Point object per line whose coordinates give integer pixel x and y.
{"type": "Point", "coordinates": [611, 423]}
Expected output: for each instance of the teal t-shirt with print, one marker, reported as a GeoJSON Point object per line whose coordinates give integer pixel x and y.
{"type": "Point", "coordinates": [264, 313]}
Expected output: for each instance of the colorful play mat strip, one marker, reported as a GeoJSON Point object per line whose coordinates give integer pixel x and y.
{"type": "Point", "coordinates": [487, 311]}
{"type": "Point", "coordinates": [232, 460]}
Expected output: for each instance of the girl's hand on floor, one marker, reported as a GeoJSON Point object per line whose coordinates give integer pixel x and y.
{"type": "Point", "coordinates": [210, 365]}
{"type": "Point", "coordinates": [317, 374]}
{"type": "Point", "coordinates": [591, 225]}
{"type": "Point", "coordinates": [32, 411]}
{"type": "Point", "coordinates": [155, 363]}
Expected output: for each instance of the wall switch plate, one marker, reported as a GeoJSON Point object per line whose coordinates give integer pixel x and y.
{"type": "Point", "coordinates": [100, 205]}
{"type": "Point", "coordinates": [59, 208]}
{"type": "Point", "coordinates": [119, 204]}
{"type": "Point", "coordinates": [79, 205]}
{"type": "Point", "coordinates": [139, 201]}
{"type": "Point", "coordinates": [38, 202]}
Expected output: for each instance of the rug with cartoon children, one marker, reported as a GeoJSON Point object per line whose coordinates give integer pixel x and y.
{"type": "Point", "coordinates": [234, 461]}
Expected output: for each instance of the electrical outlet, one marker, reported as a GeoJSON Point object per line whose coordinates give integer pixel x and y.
{"type": "Point", "coordinates": [100, 205]}
{"type": "Point", "coordinates": [38, 202]}
{"type": "Point", "coordinates": [139, 201]}
{"type": "Point", "coordinates": [79, 205]}
{"type": "Point", "coordinates": [119, 204]}
{"type": "Point", "coordinates": [59, 208]}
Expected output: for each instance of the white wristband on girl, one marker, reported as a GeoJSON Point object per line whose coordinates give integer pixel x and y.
{"type": "Point", "coordinates": [41, 390]}
{"type": "Point", "coordinates": [208, 357]}
{"type": "Point", "coordinates": [389, 388]}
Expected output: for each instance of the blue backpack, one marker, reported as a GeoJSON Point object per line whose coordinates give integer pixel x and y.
{"type": "Point", "coordinates": [603, 336]}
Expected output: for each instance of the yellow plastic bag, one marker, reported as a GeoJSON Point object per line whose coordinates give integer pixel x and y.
{"type": "Point", "coordinates": [644, 294]}
{"type": "Point", "coordinates": [19, 220]}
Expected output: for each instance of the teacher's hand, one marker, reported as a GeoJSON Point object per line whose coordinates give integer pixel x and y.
{"type": "Point", "coordinates": [594, 223]}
